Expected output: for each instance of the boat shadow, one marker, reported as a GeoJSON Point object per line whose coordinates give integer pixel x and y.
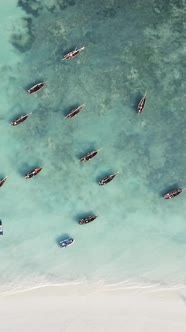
{"type": "Point", "coordinates": [84, 153]}
{"type": "Point", "coordinates": [168, 189]}
{"type": "Point", "coordinates": [82, 215]}
{"type": "Point", "coordinates": [28, 86]}
{"type": "Point", "coordinates": [62, 237]}
{"type": "Point", "coordinates": [104, 174]}
{"type": "Point", "coordinates": [13, 118]}
{"type": "Point", "coordinates": [15, 108]}
{"type": "Point", "coordinates": [70, 109]}
{"type": "Point", "coordinates": [26, 168]}
{"type": "Point", "coordinates": [68, 50]}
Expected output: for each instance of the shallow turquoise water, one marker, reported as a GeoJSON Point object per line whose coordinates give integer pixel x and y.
{"type": "Point", "coordinates": [129, 49]}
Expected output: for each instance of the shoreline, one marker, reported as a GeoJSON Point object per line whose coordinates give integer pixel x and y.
{"type": "Point", "coordinates": [94, 287]}
{"type": "Point", "coordinates": [85, 308]}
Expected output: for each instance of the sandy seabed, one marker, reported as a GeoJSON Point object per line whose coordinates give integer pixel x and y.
{"type": "Point", "coordinates": [82, 308]}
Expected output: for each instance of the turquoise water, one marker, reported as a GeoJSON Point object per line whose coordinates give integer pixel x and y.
{"type": "Point", "coordinates": [130, 47]}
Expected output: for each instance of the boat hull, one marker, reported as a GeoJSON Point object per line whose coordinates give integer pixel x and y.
{"type": "Point", "coordinates": [86, 220]}
{"type": "Point", "coordinates": [73, 54]}
{"type": "Point", "coordinates": [66, 243]}
{"type": "Point", "coordinates": [173, 193]}
{"type": "Point", "coordinates": [35, 88]}
{"type": "Point", "coordinates": [20, 120]}
{"type": "Point", "coordinates": [107, 179]}
{"type": "Point", "coordinates": [89, 156]}
{"type": "Point", "coordinates": [74, 112]}
{"type": "Point", "coordinates": [1, 227]}
{"type": "Point", "coordinates": [141, 105]}
{"type": "Point", "coordinates": [32, 173]}
{"type": "Point", "coordinates": [2, 181]}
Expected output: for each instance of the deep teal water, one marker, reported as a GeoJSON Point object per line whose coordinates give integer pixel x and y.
{"type": "Point", "coordinates": [130, 47]}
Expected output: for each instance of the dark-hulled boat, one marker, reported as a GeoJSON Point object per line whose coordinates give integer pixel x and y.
{"type": "Point", "coordinates": [66, 243]}
{"type": "Point", "coordinates": [72, 54]}
{"type": "Point", "coordinates": [32, 173]}
{"type": "Point", "coordinates": [90, 155]}
{"type": "Point", "coordinates": [20, 119]}
{"type": "Point", "coordinates": [86, 220]}
{"type": "Point", "coordinates": [173, 193]}
{"type": "Point", "coordinates": [74, 112]}
{"type": "Point", "coordinates": [1, 227]}
{"type": "Point", "coordinates": [141, 104]}
{"type": "Point", "coordinates": [107, 179]}
{"type": "Point", "coordinates": [36, 87]}
{"type": "Point", "coordinates": [2, 181]}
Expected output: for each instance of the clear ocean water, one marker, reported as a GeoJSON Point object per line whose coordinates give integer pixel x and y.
{"type": "Point", "coordinates": [130, 47]}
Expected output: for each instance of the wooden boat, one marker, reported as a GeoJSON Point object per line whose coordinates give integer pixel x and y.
{"type": "Point", "coordinates": [32, 173]}
{"type": "Point", "coordinates": [20, 119]}
{"type": "Point", "coordinates": [173, 193]}
{"type": "Point", "coordinates": [66, 243]}
{"type": "Point", "coordinates": [72, 54]}
{"type": "Point", "coordinates": [141, 104]}
{"type": "Point", "coordinates": [2, 181]}
{"type": "Point", "coordinates": [36, 87]}
{"type": "Point", "coordinates": [86, 220]}
{"type": "Point", "coordinates": [107, 179]}
{"type": "Point", "coordinates": [90, 155]}
{"type": "Point", "coordinates": [1, 227]}
{"type": "Point", "coordinates": [74, 112]}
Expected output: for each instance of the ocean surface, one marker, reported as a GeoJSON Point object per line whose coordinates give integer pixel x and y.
{"type": "Point", "coordinates": [131, 48]}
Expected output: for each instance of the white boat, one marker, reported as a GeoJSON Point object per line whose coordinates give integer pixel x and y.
{"type": "Point", "coordinates": [66, 243]}
{"type": "Point", "coordinates": [72, 54]}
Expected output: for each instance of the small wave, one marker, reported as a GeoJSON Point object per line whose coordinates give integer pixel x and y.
{"type": "Point", "coordinates": [93, 286]}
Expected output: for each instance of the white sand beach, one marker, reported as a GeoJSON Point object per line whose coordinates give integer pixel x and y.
{"type": "Point", "coordinates": [80, 308]}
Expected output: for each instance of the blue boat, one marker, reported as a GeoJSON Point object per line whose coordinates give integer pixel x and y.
{"type": "Point", "coordinates": [66, 243]}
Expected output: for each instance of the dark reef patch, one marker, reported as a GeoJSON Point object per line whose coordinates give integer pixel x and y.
{"type": "Point", "coordinates": [63, 4]}
{"type": "Point", "coordinates": [108, 13]}
{"type": "Point", "coordinates": [23, 41]}
{"type": "Point", "coordinates": [31, 7]}
{"type": "Point", "coordinates": [160, 6]}
{"type": "Point", "coordinates": [34, 7]}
